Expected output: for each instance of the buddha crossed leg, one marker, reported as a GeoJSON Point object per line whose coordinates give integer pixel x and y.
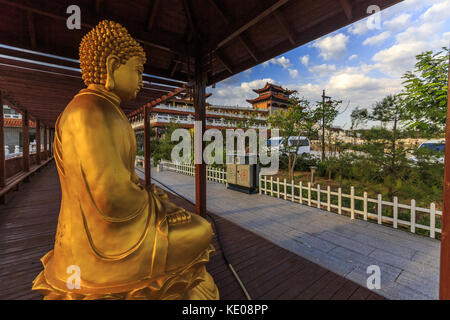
{"type": "Point", "coordinates": [124, 241]}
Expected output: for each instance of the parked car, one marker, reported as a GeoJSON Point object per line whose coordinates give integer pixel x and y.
{"type": "Point", "coordinates": [278, 143]}
{"type": "Point", "coordinates": [437, 146]}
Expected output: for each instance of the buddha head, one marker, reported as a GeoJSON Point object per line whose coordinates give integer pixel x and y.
{"type": "Point", "coordinates": [110, 57]}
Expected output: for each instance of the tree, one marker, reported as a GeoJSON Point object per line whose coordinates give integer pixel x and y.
{"type": "Point", "coordinates": [358, 117]}
{"type": "Point", "coordinates": [425, 93]}
{"type": "Point", "coordinates": [161, 148]}
{"type": "Point", "coordinates": [297, 120]}
{"type": "Point", "coordinates": [382, 147]}
{"type": "Point", "coordinates": [327, 112]}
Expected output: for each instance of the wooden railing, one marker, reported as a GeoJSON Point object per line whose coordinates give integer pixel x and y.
{"type": "Point", "coordinates": [361, 206]}
{"type": "Point", "coordinates": [15, 165]}
{"type": "Point", "coordinates": [408, 217]}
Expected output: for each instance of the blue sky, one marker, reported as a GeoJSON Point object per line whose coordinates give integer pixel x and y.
{"type": "Point", "coordinates": [358, 64]}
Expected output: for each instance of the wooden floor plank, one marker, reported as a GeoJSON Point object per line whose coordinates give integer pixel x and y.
{"type": "Point", "coordinates": [28, 225]}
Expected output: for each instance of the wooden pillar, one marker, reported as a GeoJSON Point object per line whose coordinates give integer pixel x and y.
{"type": "Point", "coordinates": [51, 132]}
{"type": "Point", "coordinates": [38, 142]}
{"type": "Point", "coordinates": [147, 164]}
{"type": "Point", "coordinates": [2, 147]}
{"type": "Point", "coordinates": [200, 166]}
{"type": "Point", "coordinates": [444, 283]}
{"type": "Point", "coordinates": [26, 141]}
{"type": "Point", "coordinates": [45, 142]}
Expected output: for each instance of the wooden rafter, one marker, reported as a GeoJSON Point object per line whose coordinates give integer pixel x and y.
{"type": "Point", "coordinates": [98, 7]}
{"type": "Point", "coordinates": [248, 45]}
{"type": "Point", "coordinates": [90, 26]}
{"type": "Point", "coordinates": [31, 29]}
{"type": "Point", "coordinates": [174, 67]}
{"type": "Point", "coordinates": [190, 20]}
{"type": "Point", "coordinates": [152, 16]}
{"type": "Point", "coordinates": [285, 26]}
{"type": "Point", "coordinates": [347, 6]}
{"type": "Point", "coordinates": [223, 61]}
{"type": "Point", "coordinates": [252, 22]}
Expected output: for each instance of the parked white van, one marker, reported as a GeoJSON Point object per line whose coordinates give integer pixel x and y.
{"type": "Point", "coordinates": [278, 143]}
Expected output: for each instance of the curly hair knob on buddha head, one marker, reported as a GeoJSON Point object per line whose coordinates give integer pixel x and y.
{"type": "Point", "coordinates": [106, 38]}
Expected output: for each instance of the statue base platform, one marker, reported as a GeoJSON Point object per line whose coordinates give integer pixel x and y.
{"type": "Point", "coordinates": [192, 282]}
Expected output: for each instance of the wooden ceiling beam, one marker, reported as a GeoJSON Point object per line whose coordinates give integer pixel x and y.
{"type": "Point", "coordinates": [220, 11]}
{"type": "Point", "coordinates": [174, 67]}
{"type": "Point", "coordinates": [31, 29]}
{"type": "Point", "coordinates": [252, 22]}
{"type": "Point", "coordinates": [223, 61]}
{"type": "Point", "coordinates": [98, 7]}
{"type": "Point", "coordinates": [347, 6]}
{"type": "Point", "coordinates": [248, 45]}
{"type": "Point", "coordinates": [192, 27]}
{"type": "Point", "coordinates": [152, 15]}
{"type": "Point", "coordinates": [285, 26]}
{"type": "Point", "coordinates": [162, 41]}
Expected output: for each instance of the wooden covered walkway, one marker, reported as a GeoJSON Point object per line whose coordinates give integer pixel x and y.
{"type": "Point", "coordinates": [28, 225]}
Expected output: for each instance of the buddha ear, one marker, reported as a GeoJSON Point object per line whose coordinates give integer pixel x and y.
{"type": "Point", "coordinates": [112, 63]}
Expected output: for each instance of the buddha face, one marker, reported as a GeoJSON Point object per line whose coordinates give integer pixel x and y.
{"type": "Point", "coordinates": [125, 80]}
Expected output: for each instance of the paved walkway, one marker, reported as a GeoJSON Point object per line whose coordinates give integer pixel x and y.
{"type": "Point", "coordinates": [409, 263]}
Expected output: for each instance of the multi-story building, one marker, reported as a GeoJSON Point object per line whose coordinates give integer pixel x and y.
{"type": "Point", "coordinates": [180, 110]}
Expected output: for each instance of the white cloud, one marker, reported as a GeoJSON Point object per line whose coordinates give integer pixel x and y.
{"type": "Point", "coordinates": [332, 47]}
{"type": "Point", "coordinates": [305, 60]}
{"type": "Point", "coordinates": [232, 94]}
{"type": "Point", "coordinates": [352, 57]}
{"type": "Point", "coordinates": [359, 28]}
{"type": "Point", "coordinates": [378, 39]}
{"type": "Point", "coordinates": [293, 73]}
{"type": "Point", "coordinates": [398, 58]}
{"type": "Point", "coordinates": [323, 69]}
{"type": "Point", "coordinates": [422, 34]}
{"type": "Point", "coordinates": [399, 22]}
{"type": "Point", "coordinates": [281, 61]}
{"type": "Point", "coordinates": [438, 11]}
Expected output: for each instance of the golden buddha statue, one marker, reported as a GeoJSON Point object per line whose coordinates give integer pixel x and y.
{"type": "Point", "coordinates": [116, 239]}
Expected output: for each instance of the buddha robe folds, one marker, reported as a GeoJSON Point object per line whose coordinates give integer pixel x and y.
{"type": "Point", "coordinates": [112, 230]}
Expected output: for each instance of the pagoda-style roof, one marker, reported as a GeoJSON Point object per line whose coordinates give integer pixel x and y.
{"type": "Point", "coordinates": [273, 87]}
{"type": "Point", "coordinates": [237, 108]}
{"type": "Point", "coordinates": [269, 96]}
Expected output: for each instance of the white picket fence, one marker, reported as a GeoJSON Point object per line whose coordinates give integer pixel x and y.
{"type": "Point", "coordinates": [212, 174]}
{"type": "Point", "coordinates": [329, 200]}
{"type": "Point", "coordinates": [383, 212]}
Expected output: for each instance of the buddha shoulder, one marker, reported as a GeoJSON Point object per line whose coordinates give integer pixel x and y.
{"type": "Point", "coordinates": [85, 109]}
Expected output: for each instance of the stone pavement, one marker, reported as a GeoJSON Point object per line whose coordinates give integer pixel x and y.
{"type": "Point", "coordinates": [409, 263]}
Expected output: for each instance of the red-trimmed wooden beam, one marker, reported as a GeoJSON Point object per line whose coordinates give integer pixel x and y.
{"type": "Point", "coordinates": [156, 101]}
{"type": "Point", "coordinates": [444, 282]}
{"type": "Point", "coordinates": [200, 115]}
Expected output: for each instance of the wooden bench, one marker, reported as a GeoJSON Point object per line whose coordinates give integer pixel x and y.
{"type": "Point", "coordinates": [13, 182]}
